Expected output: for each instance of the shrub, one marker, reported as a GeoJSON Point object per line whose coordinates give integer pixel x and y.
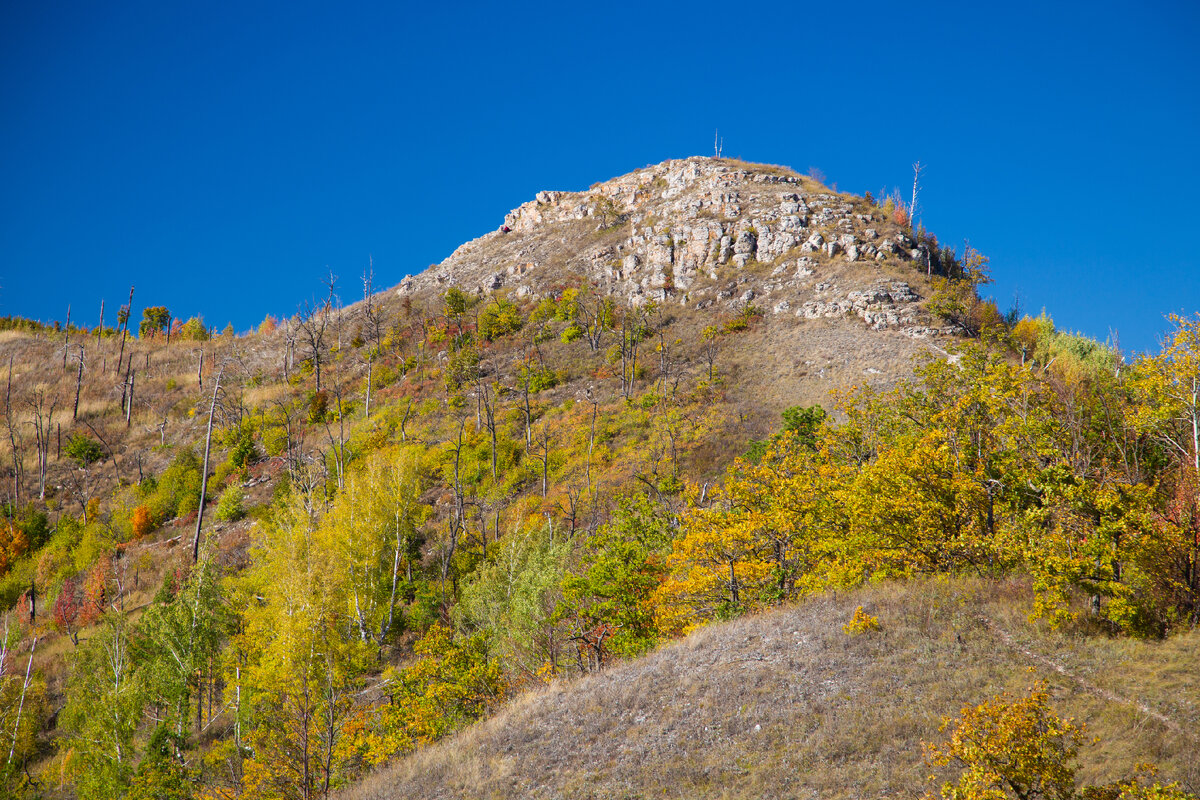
{"type": "Point", "coordinates": [230, 508]}
{"type": "Point", "coordinates": [83, 449]}
{"type": "Point", "coordinates": [142, 522]}
{"type": "Point", "coordinates": [1008, 745]}
{"type": "Point", "coordinates": [243, 451]}
{"type": "Point", "coordinates": [176, 492]}
{"type": "Point", "coordinates": [861, 622]}
{"type": "Point", "coordinates": [499, 319]}
{"type": "Point", "coordinates": [318, 407]}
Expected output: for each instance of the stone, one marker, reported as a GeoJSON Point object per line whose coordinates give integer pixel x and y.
{"type": "Point", "coordinates": [746, 242]}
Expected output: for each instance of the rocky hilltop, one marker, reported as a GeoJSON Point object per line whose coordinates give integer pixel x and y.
{"type": "Point", "coordinates": [703, 232]}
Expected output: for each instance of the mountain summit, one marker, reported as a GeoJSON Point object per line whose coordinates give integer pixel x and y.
{"type": "Point", "coordinates": [704, 232]}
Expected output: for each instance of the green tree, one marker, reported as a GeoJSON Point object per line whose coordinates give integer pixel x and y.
{"type": "Point", "coordinates": [155, 320]}
{"type": "Point", "coordinates": [104, 703]}
{"type": "Point", "coordinates": [607, 600]}
{"type": "Point", "coordinates": [509, 598]}
{"type": "Point", "coordinates": [177, 643]}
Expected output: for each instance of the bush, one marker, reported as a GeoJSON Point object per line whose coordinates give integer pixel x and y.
{"type": "Point", "coordinates": [142, 522]}
{"type": "Point", "coordinates": [499, 319]}
{"type": "Point", "coordinates": [318, 407]}
{"type": "Point", "coordinates": [861, 622]}
{"type": "Point", "coordinates": [230, 508]}
{"type": "Point", "coordinates": [83, 449]}
{"type": "Point", "coordinates": [177, 491]}
{"type": "Point", "coordinates": [243, 451]}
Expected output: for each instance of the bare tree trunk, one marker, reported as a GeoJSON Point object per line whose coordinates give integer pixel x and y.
{"type": "Point", "coordinates": [912, 209]}
{"type": "Point", "coordinates": [125, 329]}
{"type": "Point", "coordinates": [78, 384]}
{"type": "Point", "coordinates": [591, 440]}
{"type": "Point", "coordinates": [66, 337]}
{"type": "Point", "coordinates": [404, 420]}
{"type": "Point", "coordinates": [367, 409]}
{"type": "Point", "coordinates": [129, 405]}
{"type": "Point", "coordinates": [43, 424]}
{"type": "Point", "coordinates": [204, 475]}
{"type": "Point", "coordinates": [12, 434]}
{"type": "Point", "coordinates": [125, 389]}
{"type": "Point", "coordinates": [21, 705]}
{"type": "Point", "coordinates": [100, 327]}
{"type": "Point", "coordinates": [200, 370]}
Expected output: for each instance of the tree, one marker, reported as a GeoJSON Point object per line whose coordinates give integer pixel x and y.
{"type": "Point", "coordinates": [608, 598]}
{"type": "Point", "coordinates": [193, 330]}
{"type": "Point", "coordinates": [1169, 387]}
{"type": "Point", "coordinates": [371, 532]}
{"type": "Point", "coordinates": [312, 325]}
{"type": "Point", "coordinates": [1010, 747]}
{"type": "Point", "coordinates": [509, 598]}
{"type": "Point", "coordinates": [162, 773]}
{"type": "Point", "coordinates": [453, 681]}
{"type": "Point", "coordinates": [176, 646]}
{"type": "Point", "coordinates": [956, 299]}
{"type": "Point", "coordinates": [103, 708]}
{"type": "Point", "coordinates": [22, 701]}
{"type": "Point", "coordinates": [1018, 748]}
{"type": "Point", "coordinates": [83, 449]}
{"type": "Point", "coordinates": [155, 321]}
{"type": "Point", "coordinates": [301, 665]}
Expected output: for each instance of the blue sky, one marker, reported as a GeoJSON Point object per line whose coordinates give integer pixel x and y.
{"type": "Point", "coordinates": [222, 157]}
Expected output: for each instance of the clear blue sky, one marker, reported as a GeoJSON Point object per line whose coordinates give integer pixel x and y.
{"type": "Point", "coordinates": [221, 156]}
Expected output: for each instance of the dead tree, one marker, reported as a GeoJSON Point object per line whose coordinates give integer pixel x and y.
{"type": "Point", "coordinates": [212, 409]}
{"type": "Point", "coordinates": [43, 423]}
{"type": "Point", "coordinates": [543, 441]}
{"type": "Point", "coordinates": [373, 328]}
{"type": "Point", "coordinates": [338, 444]}
{"type": "Point", "coordinates": [66, 337]}
{"type": "Point", "coordinates": [313, 324]}
{"type": "Point", "coordinates": [127, 312]}
{"type": "Point", "coordinates": [78, 385]}
{"type": "Point", "coordinates": [129, 403]}
{"type": "Point", "coordinates": [12, 434]}
{"type": "Point", "coordinates": [591, 436]}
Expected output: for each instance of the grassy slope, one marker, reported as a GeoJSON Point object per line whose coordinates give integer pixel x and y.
{"type": "Point", "coordinates": [787, 705]}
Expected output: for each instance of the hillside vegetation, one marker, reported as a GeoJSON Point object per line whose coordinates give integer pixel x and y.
{"type": "Point", "coordinates": [267, 565]}
{"type": "Point", "coordinates": [788, 704]}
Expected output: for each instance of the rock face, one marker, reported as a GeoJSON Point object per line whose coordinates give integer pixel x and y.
{"type": "Point", "coordinates": [699, 232]}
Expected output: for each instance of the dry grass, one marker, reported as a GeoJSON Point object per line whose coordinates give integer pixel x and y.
{"type": "Point", "coordinates": [786, 705]}
{"type": "Point", "coordinates": [263, 396]}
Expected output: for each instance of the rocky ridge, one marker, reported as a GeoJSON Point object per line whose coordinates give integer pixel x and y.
{"type": "Point", "coordinates": [703, 232]}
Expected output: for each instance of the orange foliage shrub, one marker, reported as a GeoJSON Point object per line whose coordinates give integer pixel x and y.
{"type": "Point", "coordinates": [13, 545]}
{"type": "Point", "coordinates": [142, 522]}
{"type": "Point", "coordinates": [96, 592]}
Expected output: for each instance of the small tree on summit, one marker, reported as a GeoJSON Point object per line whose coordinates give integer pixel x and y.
{"type": "Point", "coordinates": [155, 321]}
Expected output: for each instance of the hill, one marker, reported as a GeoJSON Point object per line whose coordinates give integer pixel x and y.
{"type": "Point", "coordinates": [264, 565]}
{"type": "Point", "coordinates": [786, 704]}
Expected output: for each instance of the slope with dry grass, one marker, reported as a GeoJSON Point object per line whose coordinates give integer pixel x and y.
{"type": "Point", "coordinates": [786, 704]}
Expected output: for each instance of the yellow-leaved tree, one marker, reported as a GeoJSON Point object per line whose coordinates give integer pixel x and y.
{"type": "Point", "coordinates": [1017, 747]}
